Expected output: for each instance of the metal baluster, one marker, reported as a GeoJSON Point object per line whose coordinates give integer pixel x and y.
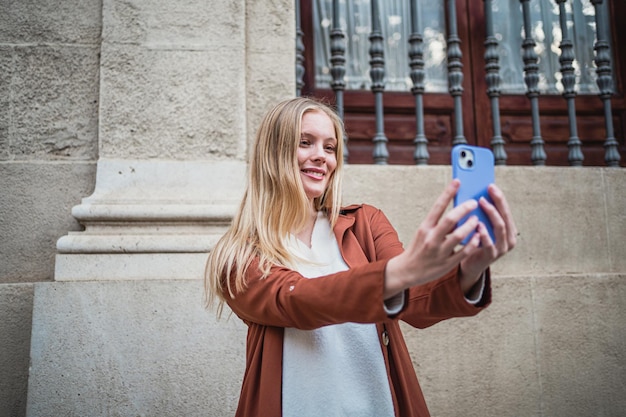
{"type": "Point", "coordinates": [492, 69]}
{"type": "Point", "coordinates": [337, 68]}
{"type": "Point", "coordinates": [377, 74]}
{"type": "Point", "coordinates": [299, 52]}
{"type": "Point", "coordinates": [575, 155]}
{"type": "Point", "coordinates": [416, 62]}
{"type": "Point", "coordinates": [605, 84]}
{"type": "Point", "coordinates": [531, 77]}
{"type": "Point", "coordinates": [455, 74]}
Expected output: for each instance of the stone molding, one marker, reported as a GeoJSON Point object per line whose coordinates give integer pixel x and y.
{"type": "Point", "coordinates": [150, 219]}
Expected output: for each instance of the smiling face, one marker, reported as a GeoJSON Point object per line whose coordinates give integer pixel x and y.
{"type": "Point", "coordinates": [317, 152]}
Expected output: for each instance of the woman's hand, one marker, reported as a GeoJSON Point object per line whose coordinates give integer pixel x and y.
{"type": "Point", "coordinates": [487, 252]}
{"type": "Point", "coordinates": [434, 250]}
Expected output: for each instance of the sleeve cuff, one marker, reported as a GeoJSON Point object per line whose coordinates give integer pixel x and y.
{"type": "Point", "coordinates": [395, 304]}
{"type": "Point", "coordinates": [476, 292]}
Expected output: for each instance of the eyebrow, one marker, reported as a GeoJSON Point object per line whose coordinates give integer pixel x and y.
{"type": "Point", "coordinates": [310, 135]}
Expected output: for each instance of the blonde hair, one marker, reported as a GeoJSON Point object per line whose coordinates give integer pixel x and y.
{"type": "Point", "coordinates": [274, 203]}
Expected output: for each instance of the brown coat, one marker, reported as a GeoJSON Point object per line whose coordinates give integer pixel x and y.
{"type": "Point", "coordinates": [286, 299]}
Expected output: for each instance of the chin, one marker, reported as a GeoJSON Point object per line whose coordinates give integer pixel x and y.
{"type": "Point", "coordinates": [311, 194]}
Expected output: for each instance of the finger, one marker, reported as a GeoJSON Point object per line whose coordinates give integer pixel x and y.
{"type": "Point", "coordinates": [480, 251]}
{"type": "Point", "coordinates": [442, 202]}
{"type": "Point", "coordinates": [468, 250]}
{"type": "Point", "coordinates": [450, 221]}
{"type": "Point", "coordinates": [502, 205]}
{"type": "Point", "coordinates": [486, 243]}
{"type": "Point", "coordinates": [460, 233]}
{"type": "Point", "coordinates": [498, 223]}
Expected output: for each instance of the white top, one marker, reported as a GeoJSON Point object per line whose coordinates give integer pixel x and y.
{"type": "Point", "coordinates": [335, 370]}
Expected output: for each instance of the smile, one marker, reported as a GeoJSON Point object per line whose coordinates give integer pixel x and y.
{"type": "Point", "coordinates": [312, 173]}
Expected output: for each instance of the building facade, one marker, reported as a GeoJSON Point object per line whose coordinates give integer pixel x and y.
{"type": "Point", "coordinates": [124, 132]}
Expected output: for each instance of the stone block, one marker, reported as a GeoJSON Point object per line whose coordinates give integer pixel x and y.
{"type": "Point", "coordinates": [269, 24]}
{"type": "Point", "coordinates": [35, 209]}
{"type": "Point", "coordinates": [132, 348]}
{"type": "Point", "coordinates": [581, 340]}
{"type": "Point", "coordinates": [151, 219]}
{"type": "Point", "coordinates": [407, 202]}
{"type": "Point", "coordinates": [482, 366]}
{"type": "Point", "coordinates": [162, 24]}
{"type": "Point", "coordinates": [265, 88]}
{"type": "Point", "coordinates": [561, 214]}
{"type": "Point", "coordinates": [614, 193]}
{"type": "Point", "coordinates": [172, 104]}
{"type": "Point", "coordinates": [50, 21]}
{"type": "Point", "coordinates": [570, 221]}
{"type": "Point", "coordinates": [132, 266]}
{"type": "Point", "coordinates": [7, 67]}
{"type": "Point", "coordinates": [53, 107]}
{"type": "Point", "coordinates": [16, 310]}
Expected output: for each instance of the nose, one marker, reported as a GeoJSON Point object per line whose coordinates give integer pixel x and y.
{"type": "Point", "coordinates": [319, 153]}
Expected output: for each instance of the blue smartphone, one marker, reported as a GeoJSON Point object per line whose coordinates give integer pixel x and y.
{"type": "Point", "coordinates": [474, 167]}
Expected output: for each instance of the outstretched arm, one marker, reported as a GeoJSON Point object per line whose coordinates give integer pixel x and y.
{"type": "Point", "coordinates": [434, 249]}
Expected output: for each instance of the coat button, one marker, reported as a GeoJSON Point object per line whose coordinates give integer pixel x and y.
{"type": "Point", "coordinates": [385, 338]}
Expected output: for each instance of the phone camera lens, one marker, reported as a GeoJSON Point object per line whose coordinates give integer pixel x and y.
{"type": "Point", "coordinates": [470, 163]}
{"type": "Point", "coordinates": [463, 154]}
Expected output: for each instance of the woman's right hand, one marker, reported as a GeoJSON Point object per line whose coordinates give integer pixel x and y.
{"type": "Point", "coordinates": [433, 250]}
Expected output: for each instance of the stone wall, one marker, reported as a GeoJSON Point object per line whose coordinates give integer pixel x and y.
{"type": "Point", "coordinates": [550, 345]}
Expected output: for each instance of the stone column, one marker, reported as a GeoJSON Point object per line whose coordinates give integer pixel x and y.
{"type": "Point", "coordinates": [182, 86]}
{"type": "Point", "coordinates": [123, 329]}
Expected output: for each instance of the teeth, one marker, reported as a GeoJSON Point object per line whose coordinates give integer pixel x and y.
{"type": "Point", "coordinates": [314, 173]}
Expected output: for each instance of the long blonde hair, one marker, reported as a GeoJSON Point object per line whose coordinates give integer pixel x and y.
{"type": "Point", "coordinates": [274, 203]}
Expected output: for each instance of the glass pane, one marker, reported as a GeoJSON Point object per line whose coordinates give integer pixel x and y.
{"type": "Point", "coordinates": [546, 29]}
{"type": "Point", "coordinates": [355, 21]}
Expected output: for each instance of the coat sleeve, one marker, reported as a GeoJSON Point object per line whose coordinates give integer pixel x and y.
{"type": "Point", "coordinates": [442, 299]}
{"type": "Point", "coordinates": [425, 304]}
{"type": "Point", "coordinates": [287, 299]}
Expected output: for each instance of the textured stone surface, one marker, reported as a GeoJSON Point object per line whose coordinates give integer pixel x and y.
{"type": "Point", "coordinates": [270, 58]}
{"type": "Point", "coordinates": [7, 69]}
{"type": "Point", "coordinates": [132, 348]}
{"type": "Point", "coordinates": [50, 21]}
{"type": "Point", "coordinates": [35, 211]}
{"type": "Point", "coordinates": [547, 346]}
{"type": "Point", "coordinates": [49, 65]}
{"type": "Point", "coordinates": [16, 310]}
{"type": "Point", "coordinates": [54, 103]}
{"type": "Point", "coordinates": [50, 102]}
{"type": "Point", "coordinates": [172, 84]}
{"type": "Point", "coordinates": [581, 344]}
{"type": "Point", "coordinates": [562, 216]}
{"type": "Point", "coordinates": [193, 24]}
{"type": "Point", "coordinates": [570, 221]}
{"type": "Point", "coordinates": [171, 104]}
{"type": "Point", "coordinates": [483, 365]}
{"type": "Point", "coordinates": [614, 198]}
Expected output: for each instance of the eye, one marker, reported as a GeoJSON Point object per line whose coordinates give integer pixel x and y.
{"type": "Point", "coordinates": [331, 148]}
{"type": "Point", "coordinates": [304, 142]}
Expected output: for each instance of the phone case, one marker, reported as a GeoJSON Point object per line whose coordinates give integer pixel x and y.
{"type": "Point", "coordinates": [474, 167]}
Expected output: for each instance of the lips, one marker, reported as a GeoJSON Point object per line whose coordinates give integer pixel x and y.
{"type": "Point", "coordinates": [314, 173]}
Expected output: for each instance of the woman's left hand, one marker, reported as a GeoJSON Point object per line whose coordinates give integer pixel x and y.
{"type": "Point", "coordinates": [486, 251]}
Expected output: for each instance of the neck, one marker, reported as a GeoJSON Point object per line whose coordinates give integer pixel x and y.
{"type": "Point", "coordinates": [307, 231]}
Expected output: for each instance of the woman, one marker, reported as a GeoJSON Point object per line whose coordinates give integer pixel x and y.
{"type": "Point", "coordinates": [322, 288]}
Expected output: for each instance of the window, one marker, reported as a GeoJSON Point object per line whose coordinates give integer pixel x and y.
{"type": "Point", "coordinates": [396, 26]}
{"type": "Point", "coordinates": [515, 109]}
